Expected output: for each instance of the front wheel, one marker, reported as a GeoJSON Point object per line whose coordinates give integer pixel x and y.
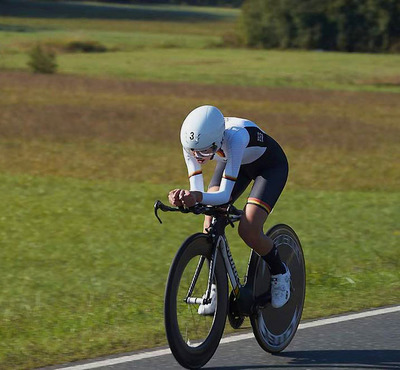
{"type": "Point", "coordinates": [193, 338]}
{"type": "Point", "coordinates": [274, 328]}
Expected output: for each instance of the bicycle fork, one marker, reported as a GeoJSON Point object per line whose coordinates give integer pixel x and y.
{"type": "Point", "coordinates": [193, 300]}
{"type": "Point", "coordinates": [221, 245]}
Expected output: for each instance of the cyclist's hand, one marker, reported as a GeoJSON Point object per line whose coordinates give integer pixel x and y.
{"type": "Point", "coordinates": [187, 197]}
{"type": "Point", "coordinates": [173, 198]}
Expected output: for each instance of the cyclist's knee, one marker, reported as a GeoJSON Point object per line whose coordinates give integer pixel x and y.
{"type": "Point", "coordinates": [251, 234]}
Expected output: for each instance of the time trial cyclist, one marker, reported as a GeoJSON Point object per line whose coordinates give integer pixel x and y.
{"type": "Point", "coordinates": [244, 153]}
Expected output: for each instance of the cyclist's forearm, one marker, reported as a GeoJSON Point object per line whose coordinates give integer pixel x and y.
{"type": "Point", "coordinates": [194, 172]}
{"type": "Point", "coordinates": [221, 196]}
{"type": "Point", "coordinates": [198, 196]}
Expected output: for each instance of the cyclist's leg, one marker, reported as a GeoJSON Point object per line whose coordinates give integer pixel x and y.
{"type": "Point", "coordinates": [242, 182]}
{"type": "Point", "coordinates": [251, 229]}
{"type": "Point", "coordinates": [265, 192]}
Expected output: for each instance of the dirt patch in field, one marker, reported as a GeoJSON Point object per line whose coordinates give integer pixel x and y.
{"type": "Point", "coordinates": [189, 90]}
{"type": "Point", "coordinates": [383, 81]}
{"type": "Point", "coordinates": [70, 107]}
{"type": "Point", "coordinates": [335, 139]}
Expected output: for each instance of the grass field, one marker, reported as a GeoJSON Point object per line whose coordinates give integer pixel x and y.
{"type": "Point", "coordinates": [84, 262]}
{"type": "Point", "coordinates": [178, 44]}
{"type": "Point", "coordinates": [83, 158]}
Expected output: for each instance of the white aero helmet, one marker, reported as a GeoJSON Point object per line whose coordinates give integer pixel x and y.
{"type": "Point", "coordinates": [203, 128]}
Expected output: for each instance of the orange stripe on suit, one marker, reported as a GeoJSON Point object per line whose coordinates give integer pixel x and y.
{"type": "Point", "coordinates": [195, 173]}
{"type": "Point", "coordinates": [260, 203]}
{"type": "Point", "coordinates": [229, 177]}
{"type": "Point", "coordinates": [221, 153]}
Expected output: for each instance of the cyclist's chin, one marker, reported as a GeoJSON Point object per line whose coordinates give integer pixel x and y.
{"type": "Point", "coordinates": [202, 160]}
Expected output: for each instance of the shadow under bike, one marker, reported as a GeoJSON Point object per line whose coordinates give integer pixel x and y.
{"type": "Point", "coordinates": [203, 262]}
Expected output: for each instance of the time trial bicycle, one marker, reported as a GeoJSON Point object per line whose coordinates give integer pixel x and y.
{"type": "Point", "coordinates": [203, 263]}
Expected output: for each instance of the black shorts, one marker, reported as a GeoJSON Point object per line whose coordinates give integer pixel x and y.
{"type": "Point", "coordinates": [269, 173]}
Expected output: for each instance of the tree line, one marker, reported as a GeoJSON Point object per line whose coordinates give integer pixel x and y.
{"type": "Point", "coordinates": [231, 3]}
{"type": "Point", "coordinates": [340, 25]}
{"type": "Point", "coordinates": [333, 25]}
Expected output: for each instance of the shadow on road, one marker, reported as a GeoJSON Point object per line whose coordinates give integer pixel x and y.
{"type": "Point", "coordinates": [355, 359]}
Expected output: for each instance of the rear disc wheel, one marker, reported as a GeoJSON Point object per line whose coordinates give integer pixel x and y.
{"type": "Point", "coordinates": [274, 328]}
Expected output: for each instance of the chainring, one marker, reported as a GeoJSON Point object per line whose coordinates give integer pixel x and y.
{"type": "Point", "coordinates": [234, 316]}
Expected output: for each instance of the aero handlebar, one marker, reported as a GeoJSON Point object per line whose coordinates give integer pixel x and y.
{"type": "Point", "coordinates": [228, 210]}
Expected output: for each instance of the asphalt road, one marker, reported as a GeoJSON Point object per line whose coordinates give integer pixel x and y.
{"type": "Point", "coordinates": [369, 340]}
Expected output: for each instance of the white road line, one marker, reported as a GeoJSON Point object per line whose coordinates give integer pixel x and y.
{"type": "Point", "coordinates": [233, 338]}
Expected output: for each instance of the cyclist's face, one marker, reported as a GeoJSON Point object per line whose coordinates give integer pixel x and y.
{"type": "Point", "coordinates": [203, 156]}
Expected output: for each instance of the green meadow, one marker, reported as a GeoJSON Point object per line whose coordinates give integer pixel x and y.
{"type": "Point", "coordinates": [85, 153]}
{"type": "Point", "coordinates": [185, 44]}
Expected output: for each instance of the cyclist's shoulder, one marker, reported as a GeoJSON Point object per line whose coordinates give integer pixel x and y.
{"type": "Point", "coordinates": [236, 130]}
{"type": "Point", "coordinates": [232, 123]}
{"type": "Point", "coordinates": [240, 127]}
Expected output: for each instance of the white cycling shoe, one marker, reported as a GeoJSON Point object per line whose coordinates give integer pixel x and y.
{"type": "Point", "coordinates": [209, 309]}
{"type": "Point", "coordinates": [280, 289]}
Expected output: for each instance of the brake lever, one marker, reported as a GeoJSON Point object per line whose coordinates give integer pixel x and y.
{"type": "Point", "coordinates": [157, 206]}
{"type": "Point", "coordinates": [160, 205]}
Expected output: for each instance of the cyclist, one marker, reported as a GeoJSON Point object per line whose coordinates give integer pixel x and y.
{"type": "Point", "coordinates": [243, 153]}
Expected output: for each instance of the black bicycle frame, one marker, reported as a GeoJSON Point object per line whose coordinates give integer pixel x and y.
{"type": "Point", "coordinates": [217, 233]}
{"type": "Point", "coordinates": [221, 218]}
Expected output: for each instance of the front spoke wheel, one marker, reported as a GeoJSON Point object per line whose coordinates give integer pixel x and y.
{"type": "Point", "coordinates": [194, 337]}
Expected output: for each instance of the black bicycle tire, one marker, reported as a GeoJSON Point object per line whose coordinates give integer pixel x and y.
{"type": "Point", "coordinates": [194, 357]}
{"type": "Point", "coordinates": [260, 332]}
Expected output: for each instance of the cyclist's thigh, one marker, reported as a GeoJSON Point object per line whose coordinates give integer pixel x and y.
{"type": "Point", "coordinates": [268, 186]}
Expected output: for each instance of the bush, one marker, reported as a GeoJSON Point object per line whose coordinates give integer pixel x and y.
{"type": "Point", "coordinates": [42, 60]}
{"type": "Point", "coordinates": [85, 47]}
{"type": "Point", "coordinates": [232, 39]}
